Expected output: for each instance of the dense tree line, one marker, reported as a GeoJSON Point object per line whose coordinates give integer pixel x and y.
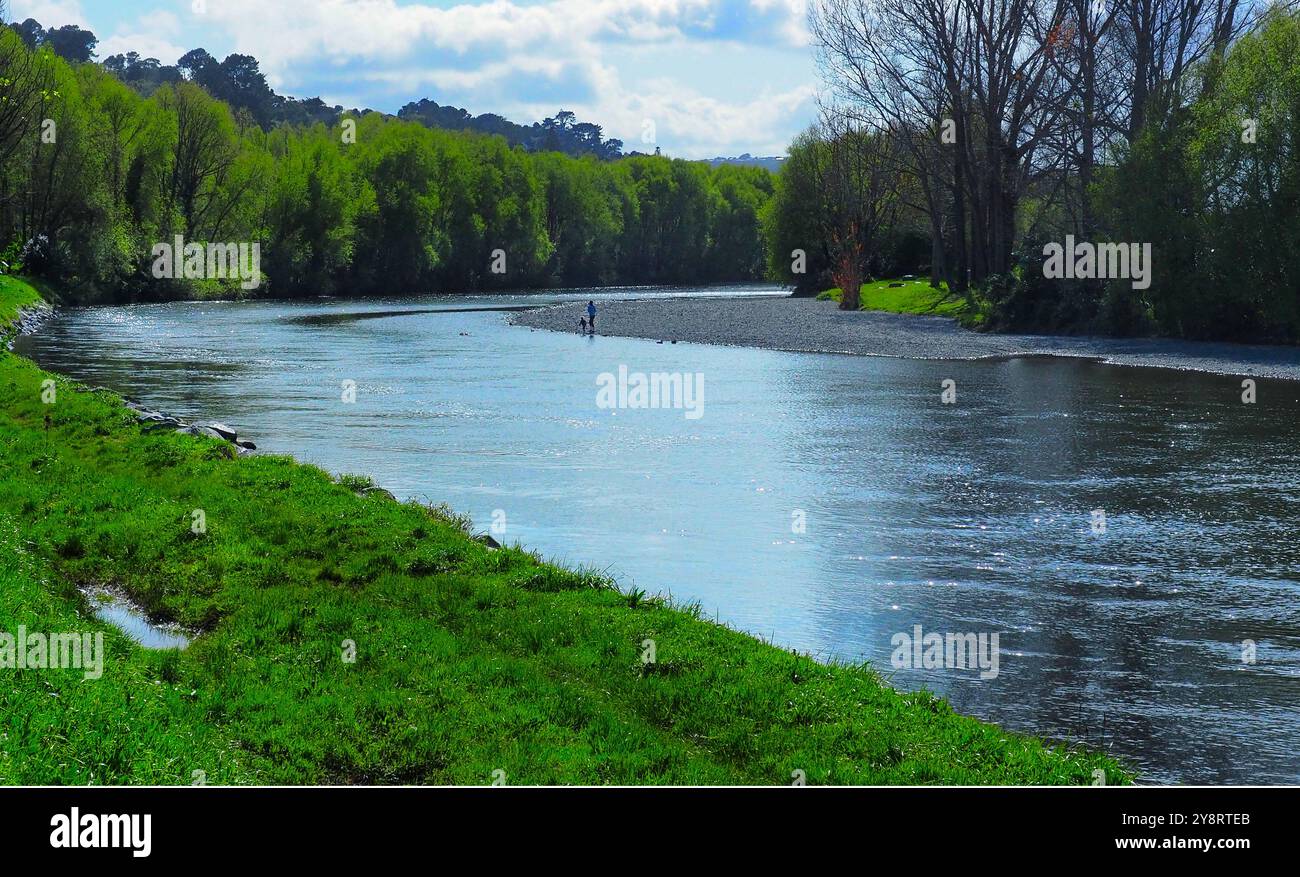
{"type": "Point", "coordinates": [239, 81]}
{"type": "Point", "coordinates": [93, 175]}
{"type": "Point", "coordinates": [994, 130]}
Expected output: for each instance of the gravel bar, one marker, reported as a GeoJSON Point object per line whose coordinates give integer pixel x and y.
{"type": "Point", "coordinates": [809, 326]}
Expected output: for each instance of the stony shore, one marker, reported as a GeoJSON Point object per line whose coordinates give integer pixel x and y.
{"type": "Point", "coordinates": [811, 326]}
{"type": "Point", "coordinates": [30, 319]}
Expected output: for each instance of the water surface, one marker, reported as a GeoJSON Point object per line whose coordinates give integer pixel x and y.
{"type": "Point", "coordinates": [126, 617]}
{"type": "Point", "coordinates": [974, 517]}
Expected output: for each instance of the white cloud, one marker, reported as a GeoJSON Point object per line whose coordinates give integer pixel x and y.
{"type": "Point", "coordinates": [383, 29]}
{"type": "Point", "coordinates": [158, 38]}
{"type": "Point", "coordinates": [694, 125]}
{"type": "Point", "coordinates": [50, 13]}
{"type": "Point", "coordinates": [795, 24]}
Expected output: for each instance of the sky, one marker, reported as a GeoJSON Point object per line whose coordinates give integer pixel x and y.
{"type": "Point", "coordinates": [698, 78]}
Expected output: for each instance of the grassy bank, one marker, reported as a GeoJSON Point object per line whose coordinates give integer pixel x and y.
{"type": "Point", "coordinates": [912, 297]}
{"type": "Point", "coordinates": [467, 660]}
{"type": "Point", "coordinates": [15, 295]}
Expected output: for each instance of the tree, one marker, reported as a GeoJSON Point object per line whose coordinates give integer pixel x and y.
{"type": "Point", "coordinates": [240, 82]}
{"type": "Point", "coordinates": [32, 34]}
{"type": "Point", "coordinates": [736, 243]}
{"type": "Point", "coordinates": [400, 241]}
{"type": "Point", "coordinates": [798, 249]}
{"type": "Point", "coordinates": [856, 171]}
{"type": "Point", "coordinates": [203, 151]}
{"type": "Point", "coordinates": [74, 45]}
{"type": "Point", "coordinates": [996, 102]}
{"type": "Point", "coordinates": [583, 221]}
{"type": "Point", "coordinates": [26, 79]}
{"type": "Point", "coordinates": [312, 210]}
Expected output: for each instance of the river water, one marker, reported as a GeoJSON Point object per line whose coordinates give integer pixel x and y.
{"type": "Point", "coordinates": [827, 503]}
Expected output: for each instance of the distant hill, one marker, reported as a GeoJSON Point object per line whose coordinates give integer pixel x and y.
{"type": "Point", "coordinates": [239, 81]}
{"type": "Point", "coordinates": [559, 133]}
{"type": "Point", "coordinates": [771, 162]}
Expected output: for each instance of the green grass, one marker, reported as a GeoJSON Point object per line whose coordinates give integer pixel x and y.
{"type": "Point", "coordinates": [138, 724]}
{"type": "Point", "coordinates": [15, 295]}
{"type": "Point", "coordinates": [913, 297]}
{"type": "Point", "coordinates": [468, 661]}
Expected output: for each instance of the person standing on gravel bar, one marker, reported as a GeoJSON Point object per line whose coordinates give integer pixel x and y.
{"type": "Point", "coordinates": [591, 315]}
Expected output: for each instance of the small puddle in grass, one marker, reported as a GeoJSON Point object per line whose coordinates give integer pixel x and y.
{"type": "Point", "coordinates": [122, 614]}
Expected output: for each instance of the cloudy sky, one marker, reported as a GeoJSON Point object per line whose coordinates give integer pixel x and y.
{"type": "Point", "coordinates": [715, 77]}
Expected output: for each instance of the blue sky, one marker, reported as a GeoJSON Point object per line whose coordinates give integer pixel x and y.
{"type": "Point", "coordinates": [702, 77]}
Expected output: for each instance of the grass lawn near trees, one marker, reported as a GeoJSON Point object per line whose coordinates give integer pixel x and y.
{"type": "Point", "coordinates": [914, 296]}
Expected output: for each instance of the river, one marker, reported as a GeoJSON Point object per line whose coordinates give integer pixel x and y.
{"type": "Point", "coordinates": [824, 502]}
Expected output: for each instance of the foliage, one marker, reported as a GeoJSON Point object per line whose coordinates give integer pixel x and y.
{"type": "Point", "coordinates": [1216, 187]}
{"type": "Point", "coordinates": [1169, 125]}
{"type": "Point", "coordinates": [363, 203]}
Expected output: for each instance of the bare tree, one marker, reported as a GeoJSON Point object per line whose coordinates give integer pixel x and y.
{"type": "Point", "coordinates": [977, 73]}
{"type": "Point", "coordinates": [1164, 39]}
{"type": "Point", "coordinates": [990, 99]}
{"type": "Point", "coordinates": [891, 65]}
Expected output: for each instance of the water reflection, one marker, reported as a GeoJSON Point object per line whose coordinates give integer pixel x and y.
{"type": "Point", "coordinates": [120, 613]}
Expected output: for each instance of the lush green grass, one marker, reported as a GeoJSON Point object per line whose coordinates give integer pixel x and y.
{"type": "Point", "coordinates": [15, 295]}
{"type": "Point", "coordinates": [138, 723]}
{"type": "Point", "coordinates": [913, 297]}
{"type": "Point", "coordinates": [468, 661]}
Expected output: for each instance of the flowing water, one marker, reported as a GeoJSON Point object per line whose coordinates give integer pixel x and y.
{"type": "Point", "coordinates": [825, 502]}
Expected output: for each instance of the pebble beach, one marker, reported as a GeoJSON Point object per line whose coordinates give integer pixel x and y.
{"type": "Point", "coordinates": [810, 326]}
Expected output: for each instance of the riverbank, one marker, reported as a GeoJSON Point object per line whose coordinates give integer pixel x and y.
{"type": "Point", "coordinates": [22, 309]}
{"type": "Point", "coordinates": [812, 326]}
{"type": "Point", "coordinates": [343, 637]}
